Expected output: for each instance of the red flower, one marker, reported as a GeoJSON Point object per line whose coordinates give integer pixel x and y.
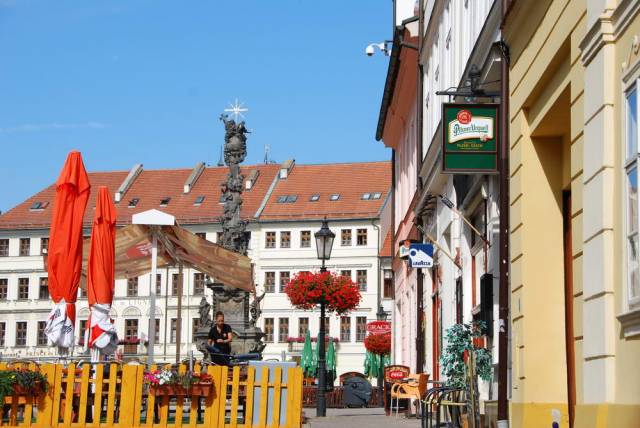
{"type": "Point", "coordinates": [378, 343]}
{"type": "Point", "coordinates": [305, 291]}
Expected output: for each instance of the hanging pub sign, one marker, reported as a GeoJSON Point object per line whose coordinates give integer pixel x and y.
{"type": "Point", "coordinates": [470, 138]}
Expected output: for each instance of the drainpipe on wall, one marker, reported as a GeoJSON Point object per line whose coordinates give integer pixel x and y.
{"type": "Point", "coordinates": [503, 308]}
{"type": "Point", "coordinates": [420, 349]}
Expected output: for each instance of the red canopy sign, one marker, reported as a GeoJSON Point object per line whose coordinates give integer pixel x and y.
{"type": "Point", "coordinates": [379, 327]}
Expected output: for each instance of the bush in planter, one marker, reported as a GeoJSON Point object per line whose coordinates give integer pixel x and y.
{"type": "Point", "coordinates": [459, 339]}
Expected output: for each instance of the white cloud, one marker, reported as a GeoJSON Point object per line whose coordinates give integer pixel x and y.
{"type": "Point", "coordinates": [35, 127]}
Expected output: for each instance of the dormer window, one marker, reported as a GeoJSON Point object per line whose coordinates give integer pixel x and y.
{"type": "Point", "coordinates": [314, 198]}
{"type": "Point", "coordinates": [292, 198]}
{"type": "Point", "coordinates": [376, 195]}
{"type": "Point", "coordinates": [165, 201]}
{"type": "Point", "coordinates": [199, 200]}
{"type": "Point", "coordinates": [282, 199]}
{"type": "Point", "coordinates": [39, 206]}
{"type": "Point", "coordinates": [366, 196]}
{"type": "Point", "coordinates": [334, 197]}
{"type": "Point", "coordinates": [133, 202]}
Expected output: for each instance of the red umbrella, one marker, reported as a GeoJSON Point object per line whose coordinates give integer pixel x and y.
{"type": "Point", "coordinates": [101, 276]}
{"type": "Point", "coordinates": [65, 249]}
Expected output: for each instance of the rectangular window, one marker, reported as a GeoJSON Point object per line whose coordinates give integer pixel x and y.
{"type": "Point", "coordinates": [3, 329]}
{"type": "Point", "coordinates": [42, 338]}
{"type": "Point", "coordinates": [4, 248]}
{"type": "Point", "coordinates": [285, 239]}
{"type": "Point", "coordinates": [361, 278]}
{"type": "Point", "coordinates": [195, 325]}
{"type": "Point", "coordinates": [270, 240]}
{"type": "Point", "coordinates": [25, 246]}
{"type": "Point", "coordinates": [362, 237]}
{"type": "Point", "coordinates": [4, 286]}
{"type": "Point", "coordinates": [158, 284]}
{"type": "Point", "coordinates": [130, 328]}
{"type": "Point", "coordinates": [633, 264]}
{"type": "Point", "coordinates": [43, 290]}
{"type": "Point", "coordinates": [305, 239]}
{"type": "Point", "coordinates": [303, 326]}
{"type": "Point", "coordinates": [21, 333]}
{"type": "Point", "coordinates": [283, 330]}
{"type": "Point", "coordinates": [83, 293]}
{"type": "Point", "coordinates": [346, 272]}
{"type": "Point", "coordinates": [175, 280]}
{"type": "Point", "coordinates": [284, 280]}
{"type": "Point", "coordinates": [361, 328]}
{"type": "Point", "coordinates": [157, 332]}
{"type": "Point", "coordinates": [269, 282]}
{"type": "Point", "coordinates": [327, 325]}
{"type": "Point", "coordinates": [388, 284]}
{"type": "Point", "coordinates": [132, 287]}
{"type": "Point", "coordinates": [198, 284]}
{"type": "Point", "coordinates": [174, 330]}
{"type": "Point", "coordinates": [268, 330]}
{"type": "Point", "coordinates": [345, 237]}
{"type": "Point", "coordinates": [345, 329]}
{"type": "Point", "coordinates": [44, 245]}
{"type": "Point", "coordinates": [83, 327]}
{"type": "Point", "coordinates": [23, 288]}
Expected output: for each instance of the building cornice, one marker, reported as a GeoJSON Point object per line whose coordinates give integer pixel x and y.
{"type": "Point", "coordinates": [608, 28]}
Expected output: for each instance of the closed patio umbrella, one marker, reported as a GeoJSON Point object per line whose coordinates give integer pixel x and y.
{"type": "Point", "coordinates": [65, 250]}
{"type": "Point", "coordinates": [101, 276]}
{"type": "Point", "coordinates": [306, 359]}
{"type": "Point", "coordinates": [331, 357]}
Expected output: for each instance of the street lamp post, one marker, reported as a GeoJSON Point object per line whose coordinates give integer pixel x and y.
{"type": "Point", "coordinates": [324, 243]}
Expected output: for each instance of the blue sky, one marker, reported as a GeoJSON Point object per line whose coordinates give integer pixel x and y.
{"type": "Point", "coordinates": [141, 81]}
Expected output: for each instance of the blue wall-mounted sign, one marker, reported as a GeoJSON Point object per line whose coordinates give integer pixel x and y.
{"type": "Point", "coordinates": [421, 255]}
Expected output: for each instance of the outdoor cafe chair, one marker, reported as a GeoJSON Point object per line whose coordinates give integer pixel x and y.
{"type": "Point", "coordinates": [412, 389]}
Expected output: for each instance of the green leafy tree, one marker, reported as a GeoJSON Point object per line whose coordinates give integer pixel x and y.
{"type": "Point", "coordinates": [459, 339]}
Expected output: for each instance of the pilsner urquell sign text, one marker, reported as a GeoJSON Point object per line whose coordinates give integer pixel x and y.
{"type": "Point", "coordinates": [470, 138]}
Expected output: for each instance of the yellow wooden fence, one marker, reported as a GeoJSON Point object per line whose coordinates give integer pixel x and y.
{"type": "Point", "coordinates": [80, 397]}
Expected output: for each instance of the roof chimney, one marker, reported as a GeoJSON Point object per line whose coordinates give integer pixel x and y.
{"type": "Point", "coordinates": [133, 174]}
{"type": "Point", "coordinates": [286, 168]}
{"type": "Point", "coordinates": [251, 181]}
{"type": "Point", "coordinates": [193, 177]}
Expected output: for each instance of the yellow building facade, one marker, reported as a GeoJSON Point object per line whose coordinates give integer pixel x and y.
{"type": "Point", "coordinates": [575, 297]}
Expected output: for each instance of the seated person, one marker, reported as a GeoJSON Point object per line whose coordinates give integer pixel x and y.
{"type": "Point", "coordinates": [218, 344]}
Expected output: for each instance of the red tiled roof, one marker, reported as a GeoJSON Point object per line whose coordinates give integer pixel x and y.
{"type": "Point", "coordinates": [21, 217]}
{"type": "Point", "coordinates": [385, 251]}
{"type": "Point", "coordinates": [151, 186]}
{"type": "Point", "coordinates": [349, 180]}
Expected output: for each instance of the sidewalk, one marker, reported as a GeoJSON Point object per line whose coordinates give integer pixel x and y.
{"type": "Point", "coordinates": [358, 418]}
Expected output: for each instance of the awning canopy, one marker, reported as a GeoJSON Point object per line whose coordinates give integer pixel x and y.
{"type": "Point", "coordinates": [176, 245]}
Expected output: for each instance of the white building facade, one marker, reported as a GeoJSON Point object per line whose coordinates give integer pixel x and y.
{"type": "Point", "coordinates": [278, 247]}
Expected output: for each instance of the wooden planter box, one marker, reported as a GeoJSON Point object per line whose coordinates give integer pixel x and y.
{"type": "Point", "coordinates": [203, 389]}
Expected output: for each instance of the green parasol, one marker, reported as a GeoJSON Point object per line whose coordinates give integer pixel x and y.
{"type": "Point", "coordinates": [371, 365]}
{"type": "Point", "coordinates": [331, 357]}
{"type": "Point", "coordinates": [306, 359]}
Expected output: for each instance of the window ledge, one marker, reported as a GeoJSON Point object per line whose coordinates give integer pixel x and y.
{"type": "Point", "coordinates": [630, 322]}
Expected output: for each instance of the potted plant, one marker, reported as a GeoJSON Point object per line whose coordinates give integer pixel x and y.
{"type": "Point", "coordinates": [306, 290]}
{"type": "Point", "coordinates": [170, 382]}
{"type": "Point", "coordinates": [460, 343]}
{"type": "Point", "coordinates": [22, 382]}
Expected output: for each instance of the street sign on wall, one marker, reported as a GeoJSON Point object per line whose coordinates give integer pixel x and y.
{"type": "Point", "coordinates": [421, 255]}
{"type": "Point", "coordinates": [379, 327]}
{"type": "Point", "coordinates": [470, 138]}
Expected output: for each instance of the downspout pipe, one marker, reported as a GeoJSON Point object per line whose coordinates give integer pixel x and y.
{"type": "Point", "coordinates": [420, 349]}
{"type": "Point", "coordinates": [503, 308]}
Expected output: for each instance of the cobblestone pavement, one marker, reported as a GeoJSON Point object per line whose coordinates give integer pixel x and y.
{"type": "Point", "coordinates": [358, 418]}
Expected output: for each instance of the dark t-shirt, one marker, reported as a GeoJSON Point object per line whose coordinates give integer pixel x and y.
{"type": "Point", "coordinates": [225, 334]}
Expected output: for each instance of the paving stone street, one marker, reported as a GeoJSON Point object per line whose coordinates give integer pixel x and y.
{"type": "Point", "coordinates": [358, 418]}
